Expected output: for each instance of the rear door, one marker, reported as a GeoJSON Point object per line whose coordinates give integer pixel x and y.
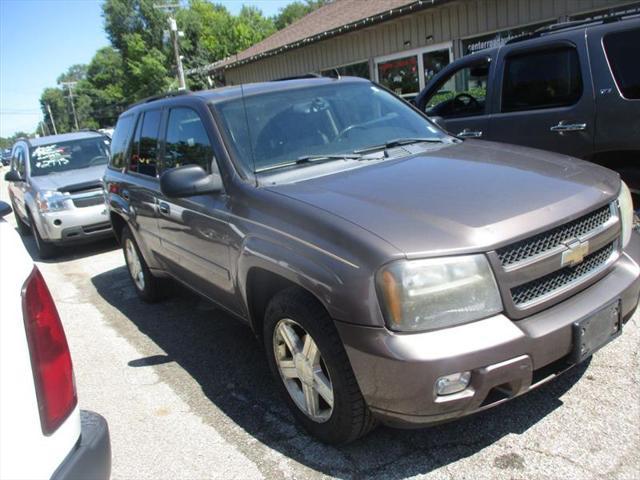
{"type": "Point", "coordinates": [460, 97]}
{"type": "Point", "coordinates": [141, 186]}
{"type": "Point", "coordinates": [546, 96]}
{"type": "Point", "coordinates": [195, 230]}
{"type": "Point", "coordinates": [613, 51]}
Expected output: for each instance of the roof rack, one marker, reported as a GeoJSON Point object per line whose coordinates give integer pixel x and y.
{"type": "Point", "coordinates": [298, 77]}
{"type": "Point", "coordinates": [574, 24]}
{"type": "Point", "coordinates": [174, 93]}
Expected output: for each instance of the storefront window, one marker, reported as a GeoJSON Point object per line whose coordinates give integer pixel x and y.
{"type": "Point", "coordinates": [433, 62]}
{"type": "Point", "coordinates": [400, 75]}
{"type": "Point", "coordinates": [354, 70]}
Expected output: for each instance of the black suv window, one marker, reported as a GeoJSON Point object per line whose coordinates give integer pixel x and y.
{"type": "Point", "coordinates": [541, 79]}
{"type": "Point", "coordinates": [120, 141]}
{"type": "Point", "coordinates": [144, 152]}
{"type": "Point", "coordinates": [187, 141]}
{"type": "Point", "coordinates": [622, 53]}
{"type": "Point", "coordinates": [19, 160]}
{"type": "Point", "coordinates": [462, 93]}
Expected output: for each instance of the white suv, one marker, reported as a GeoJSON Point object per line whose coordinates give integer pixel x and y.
{"type": "Point", "coordinates": [43, 433]}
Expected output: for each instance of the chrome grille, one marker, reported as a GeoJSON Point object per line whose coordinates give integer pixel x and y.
{"type": "Point", "coordinates": [549, 284]}
{"type": "Point", "coordinates": [553, 238]}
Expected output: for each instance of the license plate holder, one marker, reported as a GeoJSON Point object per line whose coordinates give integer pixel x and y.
{"type": "Point", "coordinates": [593, 332]}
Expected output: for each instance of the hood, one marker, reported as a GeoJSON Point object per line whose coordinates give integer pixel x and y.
{"type": "Point", "coordinates": [473, 196]}
{"type": "Point", "coordinates": [75, 180]}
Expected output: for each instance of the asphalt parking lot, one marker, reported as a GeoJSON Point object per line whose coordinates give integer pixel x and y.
{"type": "Point", "coordinates": [188, 395]}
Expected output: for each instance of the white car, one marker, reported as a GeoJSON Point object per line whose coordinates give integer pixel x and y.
{"type": "Point", "coordinates": [43, 433]}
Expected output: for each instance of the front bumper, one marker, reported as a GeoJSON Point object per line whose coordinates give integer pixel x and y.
{"type": "Point", "coordinates": [397, 372]}
{"type": "Point", "coordinates": [91, 457]}
{"type": "Point", "coordinates": [75, 225]}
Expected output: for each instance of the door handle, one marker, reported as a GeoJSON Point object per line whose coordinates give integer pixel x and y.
{"type": "Point", "coordinates": [125, 194]}
{"type": "Point", "coordinates": [568, 127]}
{"type": "Point", "coordinates": [466, 133]}
{"type": "Point", "coordinates": [164, 208]}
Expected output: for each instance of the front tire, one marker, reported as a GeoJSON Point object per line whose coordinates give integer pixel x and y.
{"type": "Point", "coordinates": [147, 286]}
{"type": "Point", "coordinates": [312, 370]}
{"type": "Point", "coordinates": [45, 249]}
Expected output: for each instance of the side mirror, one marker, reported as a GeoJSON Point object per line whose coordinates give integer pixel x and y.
{"type": "Point", "coordinates": [5, 209]}
{"type": "Point", "coordinates": [13, 176]}
{"type": "Point", "coordinates": [188, 181]}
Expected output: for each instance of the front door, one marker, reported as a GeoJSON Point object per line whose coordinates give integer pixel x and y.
{"type": "Point", "coordinates": [546, 98]}
{"type": "Point", "coordinates": [194, 230]}
{"type": "Point", "coordinates": [459, 99]}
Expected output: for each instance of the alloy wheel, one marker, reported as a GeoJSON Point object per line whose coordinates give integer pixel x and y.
{"type": "Point", "coordinates": [134, 264]}
{"type": "Point", "coordinates": [303, 370]}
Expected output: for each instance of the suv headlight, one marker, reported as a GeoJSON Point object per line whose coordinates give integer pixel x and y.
{"type": "Point", "coordinates": [625, 205]}
{"type": "Point", "coordinates": [52, 201]}
{"type": "Point", "coordinates": [434, 293]}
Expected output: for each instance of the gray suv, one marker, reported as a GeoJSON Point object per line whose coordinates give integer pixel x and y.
{"type": "Point", "coordinates": [56, 191]}
{"type": "Point", "coordinates": [570, 88]}
{"type": "Point", "coordinates": [392, 272]}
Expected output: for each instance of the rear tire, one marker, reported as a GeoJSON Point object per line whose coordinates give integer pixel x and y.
{"type": "Point", "coordinates": [45, 249]}
{"type": "Point", "coordinates": [322, 394]}
{"type": "Point", "coordinates": [146, 285]}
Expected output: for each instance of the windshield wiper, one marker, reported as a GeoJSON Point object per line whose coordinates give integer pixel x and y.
{"type": "Point", "coordinates": [396, 143]}
{"type": "Point", "coordinates": [310, 159]}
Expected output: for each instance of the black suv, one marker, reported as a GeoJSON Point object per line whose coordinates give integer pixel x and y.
{"type": "Point", "coordinates": [392, 272]}
{"type": "Point", "coordinates": [570, 88]}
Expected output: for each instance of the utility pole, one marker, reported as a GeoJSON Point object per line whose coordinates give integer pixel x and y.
{"type": "Point", "coordinates": [53, 122]}
{"type": "Point", "coordinates": [73, 107]}
{"type": "Point", "coordinates": [175, 34]}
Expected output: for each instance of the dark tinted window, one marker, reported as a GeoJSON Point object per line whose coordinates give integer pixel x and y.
{"type": "Point", "coordinates": [19, 160]}
{"type": "Point", "coordinates": [187, 141]}
{"type": "Point", "coordinates": [120, 141]}
{"type": "Point", "coordinates": [145, 147]}
{"type": "Point", "coordinates": [544, 79]}
{"type": "Point", "coordinates": [622, 53]}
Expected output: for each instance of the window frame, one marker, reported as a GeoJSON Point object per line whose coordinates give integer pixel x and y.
{"type": "Point", "coordinates": [419, 52]}
{"type": "Point", "coordinates": [163, 137]}
{"type": "Point", "coordinates": [532, 50]}
{"type": "Point", "coordinates": [608, 60]}
{"type": "Point", "coordinates": [139, 122]}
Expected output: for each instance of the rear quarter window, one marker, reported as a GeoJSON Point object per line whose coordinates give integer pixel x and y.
{"type": "Point", "coordinates": [120, 141]}
{"type": "Point", "coordinates": [622, 53]}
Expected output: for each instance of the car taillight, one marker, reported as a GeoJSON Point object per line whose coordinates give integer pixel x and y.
{"type": "Point", "coordinates": [50, 356]}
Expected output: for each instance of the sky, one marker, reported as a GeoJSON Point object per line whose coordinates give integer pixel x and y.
{"type": "Point", "coordinates": [40, 39]}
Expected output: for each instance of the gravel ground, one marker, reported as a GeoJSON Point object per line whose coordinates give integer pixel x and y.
{"type": "Point", "coordinates": [188, 395]}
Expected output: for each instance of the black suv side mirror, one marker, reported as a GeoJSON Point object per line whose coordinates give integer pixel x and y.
{"type": "Point", "coordinates": [189, 180]}
{"type": "Point", "coordinates": [13, 176]}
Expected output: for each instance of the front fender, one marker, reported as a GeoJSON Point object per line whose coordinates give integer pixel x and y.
{"type": "Point", "coordinates": [346, 291]}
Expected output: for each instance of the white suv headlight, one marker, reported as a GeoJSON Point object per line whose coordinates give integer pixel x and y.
{"type": "Point", "coordinates": [52, 201]}
{"type": "Point", "coordinates": [435, 293]}
{"type": "Point", "coordinates": [625, 205]}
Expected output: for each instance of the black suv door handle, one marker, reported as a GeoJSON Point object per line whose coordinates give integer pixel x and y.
{"type": "Point", "coordinates": [164, 208]}
{"type": "Point", "coordinates": [568, 127]}
{"type": "Point", "coordinates": [125, 194]}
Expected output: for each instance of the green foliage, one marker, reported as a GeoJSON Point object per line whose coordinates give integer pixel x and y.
{"type": "Point", "coordinates": [295, 11]}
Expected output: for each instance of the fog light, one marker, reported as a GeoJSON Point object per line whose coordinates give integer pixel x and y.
{"type": "Point", "coordinates": [454, 383]}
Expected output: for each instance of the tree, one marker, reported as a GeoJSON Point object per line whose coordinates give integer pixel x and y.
{"type": "Point", "coordinates": [105, 84]}
{"type": "Point", "coordinates": [295, 11]}
{"type": "Point", "coordinates": [74, 73]}
{"type": "Point", "coordinates": [54, 98]}
{"type": "Point", "coordinates": [250, 27]}
{"type": "Point", "coordinates": [145, 68]}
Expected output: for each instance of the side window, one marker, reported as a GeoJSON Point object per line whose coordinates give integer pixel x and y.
{"type": "Point", "coordinates": [186, 141]}
{"type": "Point", "coordinates": [144, 150]}
{"type": "Point", "coordinates": [622, 52]}
{"type": "Point", "coordinates": [18, 160]}
{"type": "Point", "coordinates": [120, 141]}
{"type": "Point", "coordinates": [544, 79]}
{"type": "Point", "coordinates": [462, 94]}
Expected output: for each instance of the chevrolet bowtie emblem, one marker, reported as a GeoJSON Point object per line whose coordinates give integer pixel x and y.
{"type": "Point", "coordinates": [576, 253]}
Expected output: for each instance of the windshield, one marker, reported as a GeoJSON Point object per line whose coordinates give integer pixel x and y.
{"type": "Point", "coordinates": [71, 155]}
{"type": "Point", "coordinates": [332, 119]}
